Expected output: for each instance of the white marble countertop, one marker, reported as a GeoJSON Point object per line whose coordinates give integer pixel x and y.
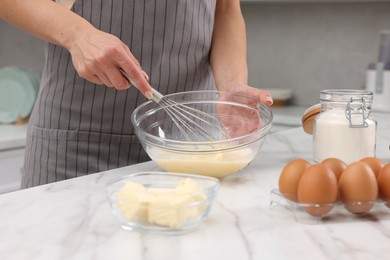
{"type": "Point", "coordinates": [72, 219]}
{"type": "Point", "coordinates": [12, 136]}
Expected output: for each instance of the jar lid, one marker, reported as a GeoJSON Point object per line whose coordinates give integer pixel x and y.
{"type": "Point", "coordinates": [309, 116]}
{"type": "Point", "coordinates": [346, 95]}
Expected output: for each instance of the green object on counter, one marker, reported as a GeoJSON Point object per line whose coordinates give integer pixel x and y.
{"type": "Point", "coordinates": [18, 92]}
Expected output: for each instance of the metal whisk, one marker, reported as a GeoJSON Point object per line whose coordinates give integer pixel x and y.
{"type": "Point", "coordinates": [187, 119]}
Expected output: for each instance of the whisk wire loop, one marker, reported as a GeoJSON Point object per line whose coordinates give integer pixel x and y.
{"type": "Point", "coordinates": [188, 120]}
{"type": "Point", "coordinates": [192, 119]}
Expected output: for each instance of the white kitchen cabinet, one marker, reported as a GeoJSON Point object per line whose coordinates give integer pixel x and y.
{"type": "Point", "coordinates": [11, 162]}
{"type": "Point", "coordinates": [12, 146]}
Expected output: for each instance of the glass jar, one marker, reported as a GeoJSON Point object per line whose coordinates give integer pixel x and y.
{"type": "Point", "coordinates": [343, 129]}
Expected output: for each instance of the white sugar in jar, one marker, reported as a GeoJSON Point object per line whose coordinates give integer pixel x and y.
{"type": "Point", "coordinates": [344, 129]}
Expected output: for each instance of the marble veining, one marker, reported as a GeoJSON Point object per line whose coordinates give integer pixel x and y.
{"type": "Point", "coordinates": [72, 219]}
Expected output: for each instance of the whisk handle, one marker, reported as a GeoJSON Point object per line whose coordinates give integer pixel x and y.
{"type": "Point", "coordinates": [157, 96]}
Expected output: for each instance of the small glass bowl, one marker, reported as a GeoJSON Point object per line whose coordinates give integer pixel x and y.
{"type": "Point", "coordinates": [162, 211]}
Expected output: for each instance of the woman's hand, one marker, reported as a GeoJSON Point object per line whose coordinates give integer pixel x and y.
{"type": "Point", "coordinates": [259, 95]}
{"type": "Point", "coordinates": [228, 61]}
{"type": "Point", "coordinates": [96, 55]}
{"type": "Point", "coordinates": [99, 56]}
{"type": "Point", "coordinates": [239, 121]}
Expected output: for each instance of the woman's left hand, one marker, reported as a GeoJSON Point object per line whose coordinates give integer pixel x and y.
{"type": "Point", "coordinates": [263, 96]}
{"type": "Point", "coordinates": [239, 121]}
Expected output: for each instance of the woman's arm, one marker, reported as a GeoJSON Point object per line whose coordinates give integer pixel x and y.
{"type": "Point", "coordinates": [96, 55]}
{"type": "Point", "coordinates": [228, 52]}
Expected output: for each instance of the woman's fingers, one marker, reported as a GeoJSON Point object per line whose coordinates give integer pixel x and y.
{"type": "Point", "coordinates": [264, 95]}
{"type": "Point", "coordinates": [126, 62]}
{"type": "Point", "coordinates": [134, 71]}
{"type": "Point", "coordinates": [115, 78]}
{"type": "Point", "coordinates": [266, 98]}
{"type": "Point", "coordinates": [139, 77]}
{"type": "Point", "coordinates": [96, 76]}
{"type": "Point", "coordinates": [99, 56]}
{"type": "Point", "coordinates": [145, 75]}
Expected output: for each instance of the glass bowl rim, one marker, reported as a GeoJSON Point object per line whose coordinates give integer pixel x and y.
{"type": "Point", "coordinates": [215, 181]}
{"type": "Point", "coordinates": [263, 129]}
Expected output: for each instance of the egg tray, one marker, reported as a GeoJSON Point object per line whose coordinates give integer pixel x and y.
{"type": "Point", "coordinates": [279, 204]}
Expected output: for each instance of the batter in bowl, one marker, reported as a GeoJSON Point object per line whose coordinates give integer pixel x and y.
{"type": "Point", "coordinates": [213, 164]}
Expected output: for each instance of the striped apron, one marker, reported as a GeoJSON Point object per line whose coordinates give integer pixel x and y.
{"type": "Point", "coordinates": [77, 127]}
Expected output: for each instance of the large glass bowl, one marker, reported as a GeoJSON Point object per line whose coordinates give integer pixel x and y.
{"type": "Point", "coordinates": [244, 121]}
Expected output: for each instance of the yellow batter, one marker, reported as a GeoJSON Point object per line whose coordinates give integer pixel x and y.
{"type": "Point", "coordinates": [216, 165]}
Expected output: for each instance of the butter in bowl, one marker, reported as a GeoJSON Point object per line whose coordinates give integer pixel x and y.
{"type": "Point", "coordinates": [162, 202]}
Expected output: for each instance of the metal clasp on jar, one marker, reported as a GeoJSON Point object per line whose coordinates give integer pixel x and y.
{"type": "Point", "coordinates": [357, 113]}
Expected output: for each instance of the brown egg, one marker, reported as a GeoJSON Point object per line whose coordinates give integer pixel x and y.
{"type": "Point", "coordinates": [289, 177]}
{"type": "Point", "coordinates": [318, 185]}
{"type": "Point", "coordinates": [336, 165]}
{"type": "Point", "coordinates": [374, 163]}
{"type": "Point", "coordinates": [384, 184]}
{"type": "Point", "coordinates": [358, 187]}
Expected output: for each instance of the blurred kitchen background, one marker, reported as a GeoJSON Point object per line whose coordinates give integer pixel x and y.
{"type": "Point", "coordinates": [297, 47]}
{"type": "Point", "coordinates": [310, 47]}
{"type": "Point", "coordinates": [305, 47]}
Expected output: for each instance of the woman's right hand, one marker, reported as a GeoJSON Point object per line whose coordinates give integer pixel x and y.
{"type": "Point", "coordinates": [98, 57]}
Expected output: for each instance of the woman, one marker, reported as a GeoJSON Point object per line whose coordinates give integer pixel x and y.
{"type": "Point", "coordinates": [81, 121]}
